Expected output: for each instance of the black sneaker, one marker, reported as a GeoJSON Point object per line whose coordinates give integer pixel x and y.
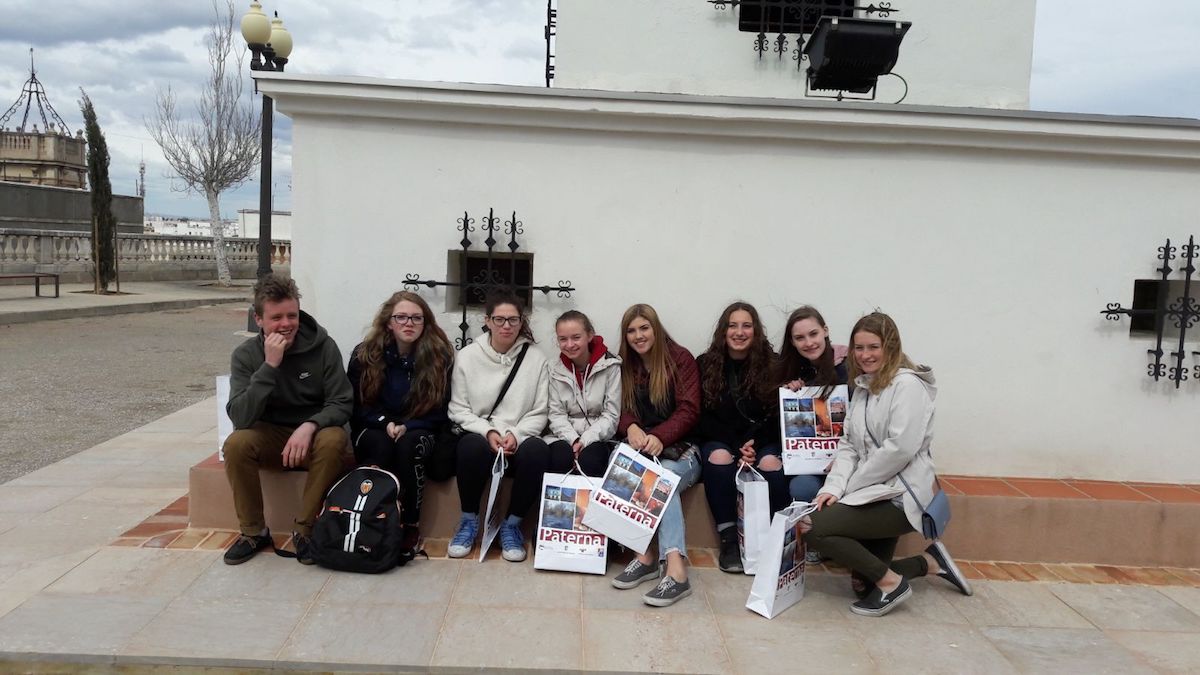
{"type": "Point", "coordinates": [880, 602]}
{"type": "Point", "coordinates": [411, 542]}
{"type": "Point", "coordinates": [246, 546]}
{"type": "Point", "coordinates": [949, 571]}
{"type": "Point", "coordinates": [667, 592]}
{"type": "Point", "coordinates": [730, 557]}
{"type": "Point", "coordinates": [304, 549]}
{"type": "Point", "coordinates": [634, 574]}
{"type": "Point", "coordinates": [859, 584]}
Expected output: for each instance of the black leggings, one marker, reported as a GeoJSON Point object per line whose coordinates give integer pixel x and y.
{"type": "Point", "coordinates": [720, 484]}
{"type": "Point", "coordinates": [593, 458]}
{"type": "Point", "coordinates": [526, 466]}
{"type": "Point", "coordinates": [404, 457]}
{"type": "Point", "coordinates": [863, 538]}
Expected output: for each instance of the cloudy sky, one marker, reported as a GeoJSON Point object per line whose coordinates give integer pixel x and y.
{"type": "Point", "coordinates": [1095, 56]}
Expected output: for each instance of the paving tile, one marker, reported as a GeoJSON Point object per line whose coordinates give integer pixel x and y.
{"type": "Point", "coordinates": [401, 634]}
{"type": "Point", "coordinates": [1016, 571]}
{"type": "Point", "coordinates": [79, 624]}
{"type": "Point", "coordinates": [179, 506]}
{"type": "Point", "coordinates": [33, 499]}
{"type": "Point", "coordinates": [18, 583]}
{"type": "Point", "coordinates": [146, 529]}
{"type": "Point", "coordinates": [128, 541]}
{"type": "Point", "coordinates": [189, 539]}
{"type": "Point", "coordinates": [1067, 573]}
{"type": "Point", "coordinates": [1165, 652]}
{"type": "Point", "coordinates": [1018, 604]}
{"type": "Point", "coordinates": [503, 584]}
{"type": "Point", "coordinates": [420, 582]}
{"type": "Point", "coordinates": [151, 498]}
{"type": "Point", "coordinates": [598, 592]}
{"type": "Point", "coordinates": [1039, 572]}
{"type": "Point", "coordinates": [1091, 574]}
{"type": "Point", "coordinates": [968, 570]}
{"type": "Point", "coordinates": [266, 576]}
{"type": "Point", "coordinates": [1106, 490]}
{"type": "Point", "coordinates": [928, 647]}
{"type": "Point", "coordinates": [530, 638]}
{"type": "Point", "coordinates": [228, 628]}
{"type": "Point", "coordinates": [1119, 574]}
{"type": "Point", "coordinates": [78, 475]}
{"type": "Point", "coordinates": [1046, 489]}
{"type": "Point", "coordinates": [218, 541]}
{"type": "Point", "coordinates": [702, 557]}
{"type": "Point", "coordinates": [932, 601]}
{"type": "Point", "coordinates": [1151, 576]}
{"type": "Point", "coordinates": [1169, 494]}
{"type": "Point", "coordinates": [991, 571]}
{"type": "Point", "coordinates": [759, 646]}
{"type": "Point", "coordinates": [1064, 650]}
{"type": "Point", "coordinates": [162, 540]}
{"type": "Point", "coordinates": [134, 572]}
{"type": "Point", "coordinates": [436, 548]}
{"type": "Point", "coordinates": [989, 487]}
{"type": "Point", "coordinates": [1188, 597]}
{"type": "Point", "coordinates": [652, 641]}
{"type": "Point", "coordinates": [1186, 575]}
{"type": "Point", "coordinates": [29, 543]}
{"type": "Point", "coordinates": [1128, 607]}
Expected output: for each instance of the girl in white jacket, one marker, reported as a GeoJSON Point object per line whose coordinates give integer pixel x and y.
{"type": "Point", "coordinates": [864, 506]}
{"type": "Point", "coordinates": [585, 395]}
{"type": "Point", "coordinates": [513, 427]}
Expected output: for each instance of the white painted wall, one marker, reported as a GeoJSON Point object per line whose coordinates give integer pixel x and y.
{"type": "Point", "coordinates": [993, 239]}
{"type": "Point", "coordinates": [977, 53]}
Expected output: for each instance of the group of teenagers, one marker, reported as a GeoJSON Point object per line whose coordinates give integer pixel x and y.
{"type": "Point", "coordinates": [420, 411]}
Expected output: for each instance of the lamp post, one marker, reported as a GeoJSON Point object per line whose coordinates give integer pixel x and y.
{"type": "Point", "coordinates": [270, 44]}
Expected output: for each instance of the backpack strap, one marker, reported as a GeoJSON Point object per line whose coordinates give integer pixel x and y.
{"type": "Point", "coordinates": [512, 375]}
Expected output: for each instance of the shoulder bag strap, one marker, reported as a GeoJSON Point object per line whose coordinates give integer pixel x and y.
{"type": "Point", "coordinates": [512, 375]}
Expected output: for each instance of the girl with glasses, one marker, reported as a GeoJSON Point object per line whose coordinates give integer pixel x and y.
{"type": "Point", "coordinates": [738, 422]}
{"type": "Point", "coordinates": [510, 423]}
{"type": "Point", "coordinates": [401, 378]}
{"type": "Point", "coordinates": [660, 401]}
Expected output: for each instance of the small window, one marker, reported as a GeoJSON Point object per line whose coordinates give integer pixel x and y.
{"type": "Point", "coordinates": [516, 270]}
{"type": "Point", "coordinates": [1152, 295]}
{"type": "Point", "coordinates": [789, 16]}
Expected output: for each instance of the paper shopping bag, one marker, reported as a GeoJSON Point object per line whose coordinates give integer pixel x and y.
{"type": "Point", "coordinates": [753, 515]}
{"type": "Point", "coordinates": [224, 424]}
{"type": "Point", "coordinates": [563, 542]}
{"type": "Point", "coordinates": [493, 515]}
{"type": "Point", "coordinates": [630, 501]}
{"type": "Point", "coordinates": [811, 423]}
{"type": "Point", "coordinates": [779, 583]}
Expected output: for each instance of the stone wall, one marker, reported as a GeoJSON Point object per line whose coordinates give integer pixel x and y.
{"type": "Point", "coordinates": [39, 207]}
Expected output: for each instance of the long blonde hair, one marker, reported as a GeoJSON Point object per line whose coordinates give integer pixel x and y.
{"type": "Point", "coordinates": [658, 364]}
{"type": "Point", "coordinates": [883, 327]}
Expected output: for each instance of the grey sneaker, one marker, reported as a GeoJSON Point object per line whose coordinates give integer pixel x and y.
{"type": "Point", "coordinates": [812, 557]}
{"type": "Point", "coordinates": [667, 592]}
{"type": "Point", "coordinates": [634, 574]}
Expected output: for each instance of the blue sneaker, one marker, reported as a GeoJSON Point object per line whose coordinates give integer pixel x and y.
{"type": "Point", "coordinates": [464, 538]}
{"type": "Point", "coordinates": [512, 543]}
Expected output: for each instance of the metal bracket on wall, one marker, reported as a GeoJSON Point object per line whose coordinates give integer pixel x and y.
{"type": "Point", "coordinates": [1183, 313]}
{"type": "Point", "coordinates": [489, 278]}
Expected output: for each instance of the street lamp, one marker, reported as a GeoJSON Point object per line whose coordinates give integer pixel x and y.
{"type": "Point", "coordinates": [270, 44]}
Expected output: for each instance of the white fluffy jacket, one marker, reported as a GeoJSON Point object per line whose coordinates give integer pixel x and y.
{"type": "Point", "coordinates": [479, 373]}
{"type": "Point", "coordinates": [589, 414]}
{"type": "Point", "coordinates": [901, 419]}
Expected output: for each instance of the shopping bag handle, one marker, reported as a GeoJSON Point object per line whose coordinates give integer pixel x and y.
{"type": "Point", "coordinates": [743, 465]}
{"type": "Point", "coordinates": [503, 463]}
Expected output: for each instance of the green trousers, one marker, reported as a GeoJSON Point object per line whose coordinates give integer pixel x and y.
{"type": "Point", "coordinates": [863, 539]}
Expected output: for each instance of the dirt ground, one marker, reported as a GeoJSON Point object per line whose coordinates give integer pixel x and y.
{"type": "Point", "coordinates": [70, 384]}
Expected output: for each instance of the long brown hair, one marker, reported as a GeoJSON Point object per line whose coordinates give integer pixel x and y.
{"type": "Point", "coordinates": [791, 363]}
{"type": "Point", "coordinates": [506, 296]}
{"type": "Point", "coordinates": [658, 364]}
{"type": "Point", "coordinates": [883, 327]}
{"type": "Point", "coordinates": [758, 382]}
{"type": "Point", "coordinates": [432, 355]}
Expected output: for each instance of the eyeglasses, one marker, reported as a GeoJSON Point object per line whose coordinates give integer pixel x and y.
{"type": "Point", "coordinates": [506, 320]}
{"type": "Point", "coordinates": [415, 319]}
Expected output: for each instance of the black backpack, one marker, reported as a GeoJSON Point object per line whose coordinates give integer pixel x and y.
{"type": "Point", "coordinates": [358, 529]}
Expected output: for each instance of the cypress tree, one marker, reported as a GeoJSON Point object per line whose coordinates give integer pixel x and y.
{"type": "Point", "coordinates": [104, 224]}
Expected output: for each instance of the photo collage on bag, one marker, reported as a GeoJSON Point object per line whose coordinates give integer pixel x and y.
{"type": "Point", "coordinates": [809, 416]}
{"type": "Point", "coordinates": [793, 550]}
{"type": "Point", "coordinates": [638, 484]}
{"type": "Point", "coordinates": [563, 509]}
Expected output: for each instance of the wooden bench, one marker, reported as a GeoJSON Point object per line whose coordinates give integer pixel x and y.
{"type": "Point", "coordinates": [37, 280]}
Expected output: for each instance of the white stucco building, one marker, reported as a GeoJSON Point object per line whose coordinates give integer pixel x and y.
{"type": "Point", "coordinates": [994, 236]}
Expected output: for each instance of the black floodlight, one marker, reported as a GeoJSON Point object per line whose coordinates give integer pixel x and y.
{"type": "Point", "coordinates": [846, 54]}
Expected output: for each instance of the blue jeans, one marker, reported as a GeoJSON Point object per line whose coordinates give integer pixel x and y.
{"type": "Point", "coordinates": [805, 488]}
{"type": "Point", "coordinates": [670, 529]}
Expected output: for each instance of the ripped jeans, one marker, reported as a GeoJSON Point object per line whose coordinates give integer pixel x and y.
{"type": "Point", "coordinates": [670, 530]}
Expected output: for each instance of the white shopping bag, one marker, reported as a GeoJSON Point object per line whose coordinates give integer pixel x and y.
{"type": "Point", "coordinates": [753, 515]}
{"type": "Point", "coordinates": [630, 501]}
{"type": "Point", "coordinates": [224, 424]}
{"type": "Point", "coordinates": [563, 542]}
{"type": "Point", "coordinates": [811, 424]}
{"type": "Point", "coordinates": [493, 517]}
{"type": "Point", "coordinates": [779, 583]}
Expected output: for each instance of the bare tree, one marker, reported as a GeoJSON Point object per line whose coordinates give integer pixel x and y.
{"type": "Point", "coordinates": [219, 149]}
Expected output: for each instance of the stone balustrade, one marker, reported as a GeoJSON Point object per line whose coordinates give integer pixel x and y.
{"type": "Point", "coordinates": [141, 257]}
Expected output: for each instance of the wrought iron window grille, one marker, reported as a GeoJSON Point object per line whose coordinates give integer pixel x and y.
{"type": "Point", "coordinates": [550, 33]}
{"type": "Point", "coordinates": [490, 277]}
{"type": "Point", "coordinates": [1183, 313]}
{"type": "Point", "coordinates": [796, 17]}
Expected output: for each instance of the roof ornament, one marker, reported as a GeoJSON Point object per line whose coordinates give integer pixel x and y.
{"type": "Point", "coordinates": [33, 92]}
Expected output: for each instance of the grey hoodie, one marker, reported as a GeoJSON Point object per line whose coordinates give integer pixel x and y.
{"type": "Point", "coordinates": [900, 420]}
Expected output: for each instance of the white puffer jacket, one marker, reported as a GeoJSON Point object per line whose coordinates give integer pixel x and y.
{"type": "Point", "coordinates": [589, 414]}
{"type": "Point", "coordinates": [901, 419]}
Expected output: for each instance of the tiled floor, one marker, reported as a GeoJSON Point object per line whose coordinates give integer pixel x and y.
{"type": "Point", "coordinates": [98, 572]}
{"type": "Point", "coordinates": [1071, 489]}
